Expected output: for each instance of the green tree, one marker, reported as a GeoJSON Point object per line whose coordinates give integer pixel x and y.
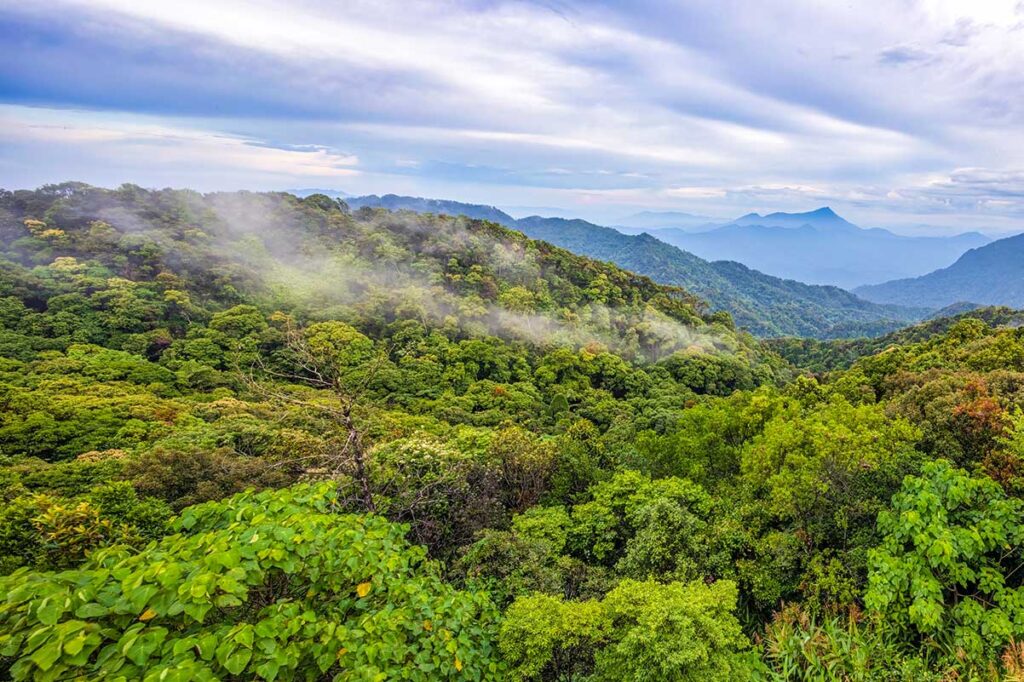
{"type": "Point", "coordinates": [830, 469]}
{"type": "Point", "coordinates": [639, 631]}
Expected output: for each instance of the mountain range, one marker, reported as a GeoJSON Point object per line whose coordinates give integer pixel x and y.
{"type": "Point", "coordinates": [648, 220]}
{"type": "Point", "coordinates": [990, 275]}
{"type": "Point", "coordinates": [763, 304]}
{"type": "Point", "coordinates": [820, 247]}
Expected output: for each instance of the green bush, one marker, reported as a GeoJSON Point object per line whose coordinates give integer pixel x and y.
{"type": "Point", "coordinates": [947, 570]}
{"type": "Point", "coordinates": [274, 585]}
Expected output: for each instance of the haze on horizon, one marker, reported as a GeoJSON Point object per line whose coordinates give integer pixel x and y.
{"type": "Point", "coordinates": [904, 114]}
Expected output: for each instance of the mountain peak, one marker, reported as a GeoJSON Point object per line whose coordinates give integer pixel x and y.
{"type": "Point", "coordinates": [823, 217]}
{"type": "Point", "coordinates": [823, 213]}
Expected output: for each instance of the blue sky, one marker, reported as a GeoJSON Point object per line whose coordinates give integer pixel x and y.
{"type": "Point", "coordinates": [896, 113]}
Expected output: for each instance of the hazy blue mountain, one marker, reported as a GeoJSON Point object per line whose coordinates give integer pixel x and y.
{"type": "Point", "coordinates": [665, 219]}
{"type": "Point", "coordinates": [765, 305]}
{"type": "Point", "coordinates": [822, 217]}
{"type": "Point", "coordinates": [821, 247]}
{"type": "Point", "coordinates": [989, 275]}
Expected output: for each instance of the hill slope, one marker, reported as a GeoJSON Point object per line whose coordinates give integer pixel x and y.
{"type": "Point", "coordinates": [820, 247]}
{"type": "Point", "coordinates": [766, 305]}
{"type": "Point", "coordinates": [824, 356]}
{"type": "Point", "coordinates": [393, 202]}
{"type": "Point", "coordinates": [762, 304]}
{"type": "Point", "coordinates": [469, 277]}
{"type": "Point", "coordinates": [989, 275]}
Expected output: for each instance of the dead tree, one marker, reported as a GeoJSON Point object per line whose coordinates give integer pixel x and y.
{"type": "Point", "coordinates": [344, 458]}
{"type": "Point", "coordinates": [433, 498]}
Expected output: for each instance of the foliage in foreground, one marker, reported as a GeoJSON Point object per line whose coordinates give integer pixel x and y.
{"type": "Point", "coordinates": [948, 566]}
{"type": "Point", "coordinates": [849, 647]}
{"type": "Point", "coordinates": [275, 585]}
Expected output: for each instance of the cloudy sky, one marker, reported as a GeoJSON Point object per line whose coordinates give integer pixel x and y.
{"type": "Point", "coordinates": [894, 112]}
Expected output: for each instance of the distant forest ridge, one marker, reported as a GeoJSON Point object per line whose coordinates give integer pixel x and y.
{"type": "Point", "coordinates": [765, 305]}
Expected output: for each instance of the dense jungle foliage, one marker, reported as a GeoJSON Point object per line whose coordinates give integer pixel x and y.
{"type": "Point", "coordinates": [248, 436]}
{"type": "Point", "coordinates": [824, 356]}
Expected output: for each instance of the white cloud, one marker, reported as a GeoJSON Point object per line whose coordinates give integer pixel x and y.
{"type": "Point", "coordinates": [709, 106]}
{"type": "Point", "coordinates": [697, 192]}
{"type": "Point", "coordinates": [133, 141]}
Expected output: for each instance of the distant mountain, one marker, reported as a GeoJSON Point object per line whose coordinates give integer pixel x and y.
{"type": "Point", "coordinates": [989, 275]}
{"type": "Point", "coordinates": [958, 308]}
{"type": "Point", "coordinates": [765, 305]}
{"type": "Point", "coordinates": [821, 247]}
{"type": "Point", "coordinates": [663, 219]}
{"type": "Point", "coordinates": [822, 217]}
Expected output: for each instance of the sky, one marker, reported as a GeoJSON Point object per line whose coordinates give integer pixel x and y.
{"type": "Point", "coordinates": [898, 113]}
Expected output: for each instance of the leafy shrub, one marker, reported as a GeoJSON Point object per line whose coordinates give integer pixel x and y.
{"type": "Point", "coordinates": [947, 568]}
{"type": "Point", "coordinates": [48, 532]}
{"type": "Point", "coordinates": [274, 585]}
{"type": "Point", "coordinates": [797, 648]}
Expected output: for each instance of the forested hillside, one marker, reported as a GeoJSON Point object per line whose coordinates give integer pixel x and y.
{"type": "Point", "coordinates": [823, 356]}
{"type": "Point", "coordinates": [251, 436]}
{"type": "Point", "coordinates": [766, 306]}
{"type": "Point", "coordinates": [989, 275]}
